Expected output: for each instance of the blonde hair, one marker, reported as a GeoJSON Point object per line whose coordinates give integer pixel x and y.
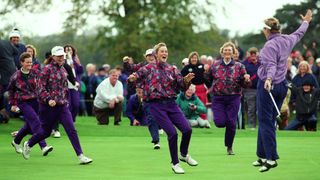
{"type": "Point", "coordinates": [274, 24]}
{"type": "Point", "coordinates": [228, 44]}
{"type": "Point", "coordinates": [306, 64]}
{"type": "Point", "coordinates": [33, 49]}
{"type": "Point", "coordinates": [158, 46]}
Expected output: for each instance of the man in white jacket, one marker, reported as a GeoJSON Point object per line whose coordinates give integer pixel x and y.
{"type": "Point", "coordinates": [109, 99]}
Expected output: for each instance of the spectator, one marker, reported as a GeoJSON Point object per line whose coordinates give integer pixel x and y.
{"type": "Point", "coordinates": [185, 61]}
{"type": "Point", "coordinates": [196, 67]}
{"type": "Point", "coordinates": [306, 106]}
{"type": "Point", "coordinates": [192, 107]}
{"type": "Point", "coordinates": [250, 94]}
{"type": "Point", "coordinates": [73, 61]}
{"type": "Point", "coordinates": [7, 68]}
{"type": "Point", "coordinates": [109, 99]}
{"type": "Point", "coordinates": [33, 52]}
{"type": "Point", "coordinates": [14, 37]}
{"type": "Point", "coordinates": [102, 74]}
{"type": "Point", "coordinates": [91, 82]}
{"type": "Point", "coordinates": [134, 109]}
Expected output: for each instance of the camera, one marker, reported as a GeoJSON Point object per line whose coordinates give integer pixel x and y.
{"type": "Point", "coordinates": [191, 105]}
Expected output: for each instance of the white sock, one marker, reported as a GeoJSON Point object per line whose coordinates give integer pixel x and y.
{"type": "Point", "coordinates": [271, 162]}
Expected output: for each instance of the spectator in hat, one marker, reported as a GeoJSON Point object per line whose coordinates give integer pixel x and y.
{"type": "Point", "coordinates": [184, 62]}
{"type": "Point", "coordinates": [306, 106]}
{"type": "Point", "coordinates": [14, 37]}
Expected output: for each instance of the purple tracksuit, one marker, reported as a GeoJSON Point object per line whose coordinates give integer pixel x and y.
{"type": "Point", "coordinates": [227, 82]}
{"type": "Point", "coordinates": [74, 95]}
{"type": "Point", "coordinates": [54, 86]}
{"type": "Point", "coordinates": [273, 57]}
{"type": "Point", "coordinates": [22, 93]}
{"type": "Point", "coordinates": [161, 82]}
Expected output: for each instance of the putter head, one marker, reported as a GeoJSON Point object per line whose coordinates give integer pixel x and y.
{"type": "Point", "coordinates": [278, 118]}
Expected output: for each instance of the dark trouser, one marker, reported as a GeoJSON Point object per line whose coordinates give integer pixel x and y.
{"type": "Point", "coordinates": [49, 117]}
{"type": "Point", "coordinates": [74, 103]}
{"type": "Point", "coordinates": [32, 121]}
{"type": "Point", "coordinates": [310, 123]}
{"type": "Point", "coordinates": [152, 124]}
{"type": "Point", "coordinates": [89, 104]}
{"type": "Point", "coordinates": [168, 114]}
{"type": "Point", "coordinates": [102, 115]}
{"type": "Point", "coordinates": [266, 144]}
{"type": "Point", "coordinates": [225, 110]}
{"type": "Point", "coordinates": [250, 96]}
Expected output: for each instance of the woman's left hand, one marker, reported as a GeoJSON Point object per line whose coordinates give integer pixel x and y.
{"type": "Point", "coordinates": [246, 77]}
{"type": "Point", "coordinates": [188, 77]}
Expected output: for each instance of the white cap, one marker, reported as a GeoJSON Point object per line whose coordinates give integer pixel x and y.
{"type": "Point", "coordinates": [14, 33]}
{"type": "Point", "coordinates": [318, 60]}
{"type": "Point", "coordinates": [185, 61]}
{"type": "Point", "coordinates": [57, 51]}
{"type": "Point", "coordinates": [148, 52]}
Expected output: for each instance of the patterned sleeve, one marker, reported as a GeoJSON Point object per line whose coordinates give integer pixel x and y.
{"type": "Point", "coordinates": [181, 85]}
{"type": "Point", "coordinates": [43, 92]}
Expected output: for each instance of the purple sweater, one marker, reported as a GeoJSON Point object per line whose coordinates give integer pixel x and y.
{"type": "Point", "coordinates": [54, 85]}
{"type": "Point", "coordinates": [226, 79]}
{"type": "Point", "coordinates": [160, 81]}
{"type": "Point", "coordinates": [23, 89]}
{"type": "Point", "coordinates": [274, 54]}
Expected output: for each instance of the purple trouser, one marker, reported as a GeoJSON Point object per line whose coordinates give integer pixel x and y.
{"type": "Point", "coordinates": [32, 121]}
{"type": "Point", "coordinates": [74, 103]}
{"type": "Point", "coordinates": [225, 110]}
{"type": "Point", "coordinates": [168, 114]}
{"type": "Point", "coordinates": [49, 117]}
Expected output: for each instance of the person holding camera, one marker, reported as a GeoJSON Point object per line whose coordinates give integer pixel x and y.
{"type": "Point", "coordinates": [192, 107]}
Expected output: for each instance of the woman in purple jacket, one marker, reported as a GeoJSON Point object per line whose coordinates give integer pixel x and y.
{"type": "Point", "coordinates": [23, 97]}
{"type": "Point", "coordinates": [54, 105]}
{"type": "Point", "coordinates": [227, 77]}
{"type": "Point", "coordinates": [161, 82]}
{"type": "Point", "coordinates": [272, 83]}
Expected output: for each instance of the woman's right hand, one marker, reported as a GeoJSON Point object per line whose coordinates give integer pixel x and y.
{"type": "Point", "coordinates": [308, 16]}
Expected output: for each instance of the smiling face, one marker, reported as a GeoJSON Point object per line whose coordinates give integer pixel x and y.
{"type": "Point", "coordinates": [26, 64]}
{"type": "Point", "coordinates": [162, 54]}
{"type": "Point", "coordinates": [227, 52]}
{"type": "Point", "coordinates": [194, 59]}
{"type": "Point", "coordinates": [59, 60]}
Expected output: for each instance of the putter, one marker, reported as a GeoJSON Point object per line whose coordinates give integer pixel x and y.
{"type": "Point", "coordinates": [275, 105]}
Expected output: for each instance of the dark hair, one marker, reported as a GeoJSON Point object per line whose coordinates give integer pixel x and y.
{"type": "Point", "coordinates": [24, 56]}
{"type": "Point", "coordinates": [74, 50]}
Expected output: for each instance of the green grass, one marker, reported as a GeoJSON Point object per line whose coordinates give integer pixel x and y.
{"type": "Point", "coordinates": [125, 152]}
